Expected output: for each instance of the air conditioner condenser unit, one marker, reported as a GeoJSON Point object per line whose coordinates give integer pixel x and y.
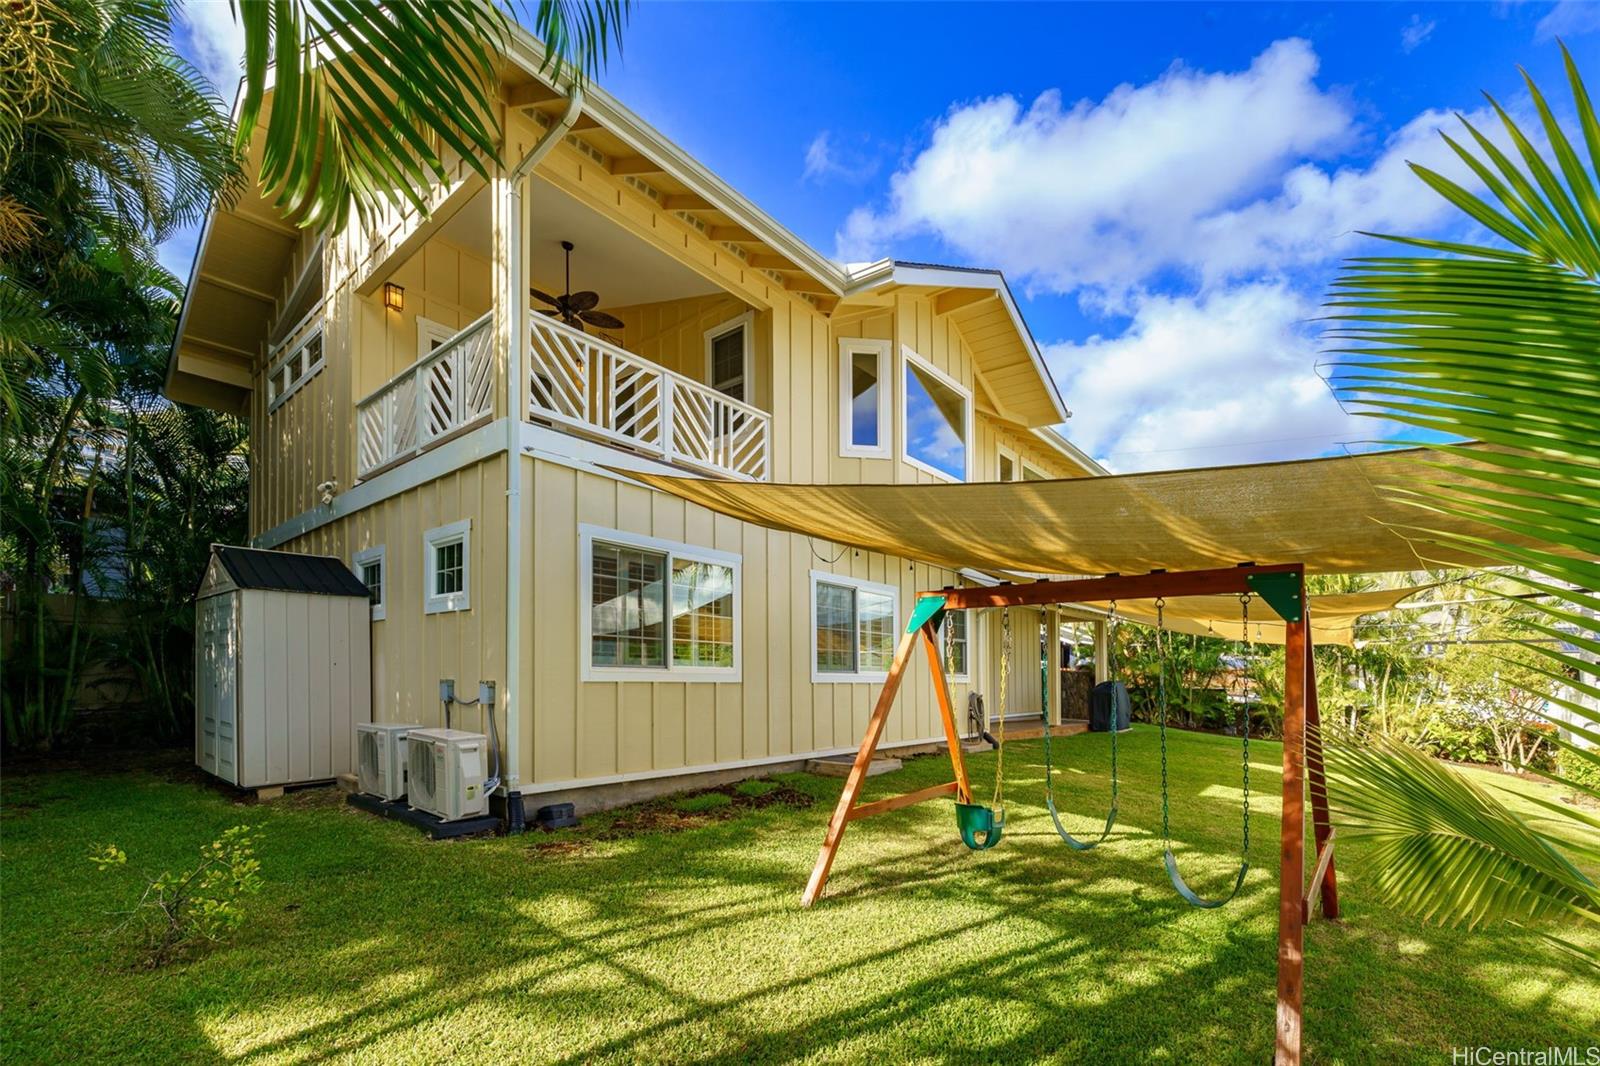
{"type": "Point", "coordinates": [381, 758]}
{"type": "Point", "coordinates": [445, 773]}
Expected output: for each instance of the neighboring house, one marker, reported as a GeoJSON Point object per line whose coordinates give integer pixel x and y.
{"type": "Point", "coordinates": [413, 412]}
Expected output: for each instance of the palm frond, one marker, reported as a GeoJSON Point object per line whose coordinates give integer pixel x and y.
{"type": "Point", "coordinates": [1443, 848]}
{"type": "Point", "coordinates": [1498, 344]}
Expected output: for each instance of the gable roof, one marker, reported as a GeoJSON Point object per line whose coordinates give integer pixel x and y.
{"type": "Point", "coordinates": [256, 568]}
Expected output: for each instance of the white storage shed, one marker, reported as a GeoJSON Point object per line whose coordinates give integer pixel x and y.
{"type": "Point", "coordinates": [283, 651]}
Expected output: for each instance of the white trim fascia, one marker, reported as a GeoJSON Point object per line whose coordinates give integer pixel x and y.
{"type": "Point", "coordinates": [859, 676]}
{"type": "Point", "coordinates": [1059, 442]}
{"type": "Point", "coordinates": [908, 356]}
{"type": "Point", "coordinates": [443, 536]}
{"type": "Point", "coordinates": [485, 442]}
{"type": "Point", "coordinates": [711, 768]}
{"type": "Point", "coordinates": [587, 535]}
{"type": "Point", "coordinates": [848, 347]}
{"type": "Point", "coordinates": [378, 553]}
{"type": "Point", "coordinates": [745, 321]}
{"type": "Point", "coordinates": [528, 53]}
{"type": "Point", "coordinates": [890, 272]}
{"type": "Point", "coordinates": [580, 453]}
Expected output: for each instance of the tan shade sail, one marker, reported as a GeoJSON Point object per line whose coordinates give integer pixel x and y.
{"type": "Point", "coordinates": [1333, 616]}
{"type": "Point", "coordinates": [1332, 515]}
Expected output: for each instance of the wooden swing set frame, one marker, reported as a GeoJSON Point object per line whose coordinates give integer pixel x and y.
{"type": "Point", "coordinates": [1302, 748]}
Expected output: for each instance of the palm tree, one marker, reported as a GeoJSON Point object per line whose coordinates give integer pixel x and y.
{"type": "Point", "coordinates": [369, 99]}
{"type": "Point", "coordinates": [1498, 342]}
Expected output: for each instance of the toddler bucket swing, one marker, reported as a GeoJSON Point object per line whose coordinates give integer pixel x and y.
{"type": "Point", "coordinates": [982, 825]}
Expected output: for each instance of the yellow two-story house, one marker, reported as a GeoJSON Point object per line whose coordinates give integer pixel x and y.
{"type": "Point", "coordinates": [453, 404]}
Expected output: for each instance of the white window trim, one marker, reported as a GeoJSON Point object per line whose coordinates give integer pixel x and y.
{"type": "Point", "coordinates": [306, 375]}
{"type": "Point", "coordinates": [944, 642]}
{"type": "Point", "coordinates": [430, 330]}
{"type": "Point", "coordinates": [747, 322]}
{"type": "Point", "coordinates": [849, 347]}
{"type": "Point", "coordinates": [433, 539]}
{"type": "Point", "coordinates": [819, 677]}
{"type": "Point", "coordinates": [380, 555]}
{"type": "Point", "coordinates": [587, 535]}
{"type": "Point", "coordinates": [907, 359]}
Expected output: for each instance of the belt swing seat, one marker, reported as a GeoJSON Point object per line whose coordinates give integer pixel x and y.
{"type": "Point", "coordinates": [1190, 896]}
{"type": "Point", "coordinates": [1049, 775]}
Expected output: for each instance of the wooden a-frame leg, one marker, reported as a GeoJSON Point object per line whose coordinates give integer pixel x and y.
{"type": "Point", "coordinates": [941, 690]}
{"type": "Point", "coordinates": [858, 771]}
{"type": "Point", "coordinates": [1291, 872]}
{"type": "Point", "coordinates": [1321, 821]}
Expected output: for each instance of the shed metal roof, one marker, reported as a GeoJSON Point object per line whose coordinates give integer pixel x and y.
{"type": "Point", "coordinates": [255, 568]}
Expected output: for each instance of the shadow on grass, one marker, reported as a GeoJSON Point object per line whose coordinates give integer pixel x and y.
{"type": "Point", "coordinates": [692, 946]}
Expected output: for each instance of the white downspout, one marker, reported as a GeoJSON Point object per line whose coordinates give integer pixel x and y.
{"type": "Point", "coordinates": [516, 406]}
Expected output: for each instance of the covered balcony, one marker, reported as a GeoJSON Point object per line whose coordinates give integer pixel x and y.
{"type": "Point", "coordinates": [660, 362]}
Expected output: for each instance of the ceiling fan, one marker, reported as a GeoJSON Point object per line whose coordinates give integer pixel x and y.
{"type": "Point", "coordinates": [575, 308]}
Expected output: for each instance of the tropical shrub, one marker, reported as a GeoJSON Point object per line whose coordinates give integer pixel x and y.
{"type": "Point", "coordinates": [202, 903]}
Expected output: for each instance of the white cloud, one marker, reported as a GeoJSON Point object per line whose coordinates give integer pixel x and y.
{"type": "Point", "coordinates": [1228, 377]}
{"type": "Point", "coordinates": [215, 43]}
{"type": "Point", "coordinates": [1101, 194]}
{"type": "Point", "coordinates": [1415, 32]}
{"type": "Point", "coordinates": [1212, 177]}
{"type": "Point", "coordinates": [824, 159]}
{"type": "Point", "coordinates": [1569, 18]}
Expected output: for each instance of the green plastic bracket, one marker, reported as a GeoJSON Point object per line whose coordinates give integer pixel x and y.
{"type": "Point", "coordinates": [1281, 590]}
{"type": "Point", "coordinates": [929, 608]}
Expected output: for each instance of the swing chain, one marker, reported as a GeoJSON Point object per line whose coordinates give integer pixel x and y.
{"type": "Point", "coordinates": [1161, 699]}
{"type": "Point", "coordinates": [1116, 713]}
{"type": "Point", "coordinates": [998, 799]}
{"type": "Point", "coordinates": [1244, 715]}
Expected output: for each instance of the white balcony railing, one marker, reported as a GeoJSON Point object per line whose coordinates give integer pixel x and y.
{"type": "Point", "coordinates": [444, 391]}
{"type": "Point", "coordinates": [600, 390]}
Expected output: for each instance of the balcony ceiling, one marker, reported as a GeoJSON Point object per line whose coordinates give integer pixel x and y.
{"type": "Point", "coordinates": [622, 269]}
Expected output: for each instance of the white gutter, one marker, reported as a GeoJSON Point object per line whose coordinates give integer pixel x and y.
{"type": "Point", "coordinates": [516, 404]}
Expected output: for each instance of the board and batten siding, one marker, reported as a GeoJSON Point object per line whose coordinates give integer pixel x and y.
{"type": "Point", "coordinates": [412, 650]}
{"type": "Point", "coordinates": [595, 729]}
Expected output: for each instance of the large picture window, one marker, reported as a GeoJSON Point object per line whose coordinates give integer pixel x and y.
{"type": "Point", "coordinates": [853, 628]}
{"type": "Point", "coordinates": [938, 420]}
{"type": "Point", "coordinates": [657, 610]}
{"type": "Point", "coordinates": [864, 394]}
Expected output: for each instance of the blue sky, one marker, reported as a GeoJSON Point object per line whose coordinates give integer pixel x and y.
{"type": "Point", "coordinates": [1168, 187]}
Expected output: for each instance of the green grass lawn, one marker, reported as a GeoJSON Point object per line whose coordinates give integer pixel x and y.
{"type": "Point", "coordinates": [674, 933]}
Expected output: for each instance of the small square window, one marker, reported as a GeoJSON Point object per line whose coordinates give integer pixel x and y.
{"type": "Point", "coordinates": [447, 576]}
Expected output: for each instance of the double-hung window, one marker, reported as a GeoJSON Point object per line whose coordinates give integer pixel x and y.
{"type": "Point", "coordinates": [937, 429]}
{"type": "Point", "coordinates": [447, 568]}
{"type": "Point", "coordinates": [728, 357]}
{"type": "Point", "coordinates": [864, 395]}
{"type": "Point", "coordinates": [369, 565]}
{"type": "Point", "coordinates": [853, 628]}
{"type": "Point", "coordinates": [655, 610]}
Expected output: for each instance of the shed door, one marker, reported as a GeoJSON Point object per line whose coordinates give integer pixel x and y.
{"type": "Point", "coordinates": [219, 687]}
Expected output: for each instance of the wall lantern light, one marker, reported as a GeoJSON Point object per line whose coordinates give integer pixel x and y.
{"type": "Point", "coordinates": [394, 297]}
